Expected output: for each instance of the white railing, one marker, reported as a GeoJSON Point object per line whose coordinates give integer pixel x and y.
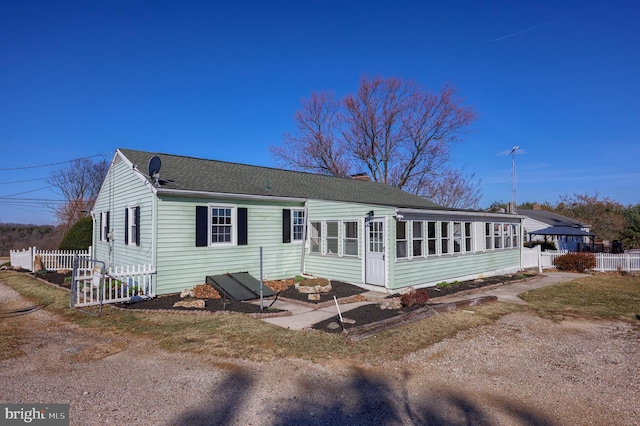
{"type": "Point", "coordinates": [48, 260]}
{"type": "Point", "coordinates": [22, 259]}
{"type": "Point", "coordinates": [617, 262]}
{"type": "Point", "coordinates": [121, 284]}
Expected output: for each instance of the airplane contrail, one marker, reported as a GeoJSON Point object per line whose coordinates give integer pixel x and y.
{"type": "Point", "coordinates": [527, 30]}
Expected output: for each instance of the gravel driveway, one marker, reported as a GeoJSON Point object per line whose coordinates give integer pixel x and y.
{"type": "Point", "coordinates": [520, 370]}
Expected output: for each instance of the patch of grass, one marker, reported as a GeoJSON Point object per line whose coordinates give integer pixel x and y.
{"type": "Point", "coordinates": [599, 296]}
{"type": "Point", "coordinates": [10, 339]}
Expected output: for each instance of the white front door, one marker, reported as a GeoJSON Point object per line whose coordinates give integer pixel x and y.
{"type": "Point", "coordinates": [374, 256]}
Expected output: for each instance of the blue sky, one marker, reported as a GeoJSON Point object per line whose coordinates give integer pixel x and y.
{"type": "Point", "coordinates": [222, 80]}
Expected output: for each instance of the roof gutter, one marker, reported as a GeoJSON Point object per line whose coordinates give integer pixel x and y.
{"type": "Point", "coordinates": [420, 214]}
{"type": "Point", "coordinates": [206, 194]}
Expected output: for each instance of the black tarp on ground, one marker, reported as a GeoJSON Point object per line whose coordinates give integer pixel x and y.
{"type": "Point", "coordinates": [239, 286]}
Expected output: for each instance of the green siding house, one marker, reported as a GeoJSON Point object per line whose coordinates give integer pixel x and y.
{"type": "Point", "coordinates": [198, 217]}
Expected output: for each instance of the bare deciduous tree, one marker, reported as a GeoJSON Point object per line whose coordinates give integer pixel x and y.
{"type": "Point", "coordinates": [79, 184]}
{"type": "Point", "coordinates": [454, 190]}
{"type": "Point", "coordinates": [397, 132]}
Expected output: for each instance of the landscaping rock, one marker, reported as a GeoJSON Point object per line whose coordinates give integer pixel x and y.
{"type": "Point", "coordinates": [197, 303]}
{"type": "Point", "coordinates": [391, 303]}
{"type": "Point", "coordinates": [187, 293]}
{"type": "Point", "coordinates": [314, 285]}
{"type": "Point", "coordinates": [314, 296]}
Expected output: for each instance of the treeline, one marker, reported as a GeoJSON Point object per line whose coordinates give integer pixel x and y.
{"type": "Point", "coordinates": [606, 218]}
{"type": "Point", "coordinates": [17, 237]}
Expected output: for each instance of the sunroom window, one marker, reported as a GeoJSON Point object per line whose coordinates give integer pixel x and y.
{"type": "Point", "coordinates": [401, 239]}
{"type": "Point", "coordinates": [350, 239]}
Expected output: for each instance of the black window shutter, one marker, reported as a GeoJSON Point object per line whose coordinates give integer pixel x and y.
{"type": "Point", "coordinates": [243, 226]}
{"type": "Point", "coordinates": [201, 226]}
{"type": "Point", "coordinates": [137, 217]}
{"type": "Point", "coordinates": [126, 226]}
{"type": "Point", "coordinates": [286, 225]}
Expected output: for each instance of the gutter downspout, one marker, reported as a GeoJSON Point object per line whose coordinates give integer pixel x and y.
{"type": "Point", "coordinates": [304, 234]}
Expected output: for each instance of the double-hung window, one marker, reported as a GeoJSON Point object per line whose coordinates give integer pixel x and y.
{"type": "Point", "coordinates": [332, 237]}
{"type": "Point", "coordinates": [515, 235]}
{"type": "Point", "coordinates": [432, 239]}
{"type": "Point", "coordinates": [497, 236]}
{"type": "Point", "coordinates": [297, 225]}
{"type": "Point", "coordinates": [104, 226]}
{"type": "Point", "coordinates": [468, 241]}
{"type": "Point", "coordinates": [506, 232]}
{"type": "Point", "coordinates": [132, 226]}
{"type": "Point", "coordinates": [401, 239]}
{"type": "Point", "coordinates": [444, 238]}
{"type": "Point", "coordinates": [222, 220]}
{"type": "Point", "coordinates": [417, 238]}
{"type": "Point", "coordinates": [350, 238]}
{"type": "Point", "coordinates": [488, 236]}
{"type": "Point", "coordinates": [457, 237]}
{"type": "Point", "coordinates": [315, 237]}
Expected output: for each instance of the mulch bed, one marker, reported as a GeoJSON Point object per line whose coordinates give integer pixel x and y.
{"type": "Point", "coordinates": [371, 313]}
{"type": "Point", "coordinates": [61, 279]}
{"type": "Point", "coordinates": [210, 305]}
{"type": "Point", "coordinates": [365, 314]}
{"type": "Point", "coordinates": [339, 289]}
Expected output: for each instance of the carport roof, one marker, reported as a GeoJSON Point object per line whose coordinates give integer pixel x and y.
{"type": "Point", "coordinates": [563, 230]}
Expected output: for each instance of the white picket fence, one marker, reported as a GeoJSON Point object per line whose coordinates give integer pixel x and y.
{"type": "Point", "coordinates": [52, 260]}
{"type": "Point", "coordinates": [605, 262]}
{"type": "Point", "coordinates": [120, 284]}
{"type": "Point", "coordinates": [617, 262]}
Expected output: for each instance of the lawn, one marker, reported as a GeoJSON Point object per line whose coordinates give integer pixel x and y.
{"type": "Point", "coordinates": [235, 335]}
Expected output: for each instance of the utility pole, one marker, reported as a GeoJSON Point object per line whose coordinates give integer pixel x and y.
{"type": "Point", "coordinates": [513, 178]}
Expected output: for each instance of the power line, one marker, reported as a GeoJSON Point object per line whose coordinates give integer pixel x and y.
{"type": "Point", "coordinates": [50, 164]}
{"type": "Point", "coordinates": [22, 181]}
{"type": "Point", "coordinates": [7, 197]}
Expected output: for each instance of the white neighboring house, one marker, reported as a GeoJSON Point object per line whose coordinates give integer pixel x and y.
{"type": "Point", "coordinates": [567, 234]}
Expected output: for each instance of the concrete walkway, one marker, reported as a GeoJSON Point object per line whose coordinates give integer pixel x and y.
{"type": "Point", "coordinates": [304, 317]}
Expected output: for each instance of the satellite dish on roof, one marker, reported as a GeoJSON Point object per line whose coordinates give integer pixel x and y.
{"type": "Point", "coordinates": [154, 169]}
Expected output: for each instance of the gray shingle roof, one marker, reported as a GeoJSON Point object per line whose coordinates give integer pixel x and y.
{"type": "Point", "coordinates": [551, 218]}
{"type": "Point", "coordinates": [195, 174]}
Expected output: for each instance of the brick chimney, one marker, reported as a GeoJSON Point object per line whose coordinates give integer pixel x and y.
{"type": "Point", "coordinates": [361, 176]}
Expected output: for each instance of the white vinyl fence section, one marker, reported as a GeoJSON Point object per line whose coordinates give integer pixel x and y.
{"type": "Point", "coordinates": [531, 258]}
{"type": "Point", "coordinates": [52, 260]}
{"type": "Point", "coordinates": [617, 262]}
{"type": "Point", "coordinates": [22, 259]}
{"type": "Point", "coordinates": [120, 284]}
{"type": "Point", "coordinates": [605, 262]}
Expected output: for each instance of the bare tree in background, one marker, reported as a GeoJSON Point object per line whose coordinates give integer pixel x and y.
{"type": "Point", "coordinates": [79, 184]}
{"type": "Point", "coordinates": [454, 190]}
{"type": "Point", "coordinates": [397, 132]}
